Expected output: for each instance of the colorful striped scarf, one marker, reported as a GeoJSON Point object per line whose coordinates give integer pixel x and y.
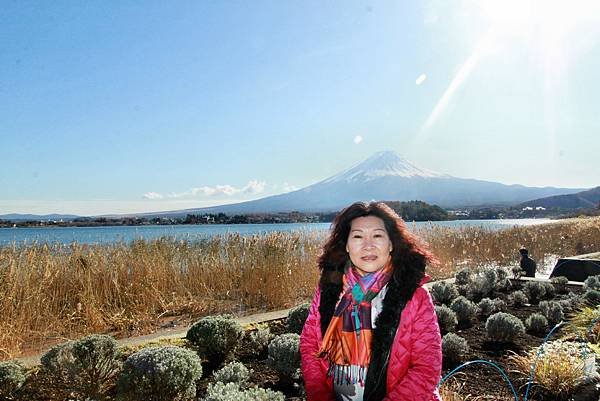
{"type": "Point", "coordinates": [347, 341]}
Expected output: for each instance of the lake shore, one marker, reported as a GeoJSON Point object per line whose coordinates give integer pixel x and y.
{"type": "Point", "coordinates": [107, 235]}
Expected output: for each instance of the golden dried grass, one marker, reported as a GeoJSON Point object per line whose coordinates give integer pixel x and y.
{"type": "Point", "coordinates": [479, 247]}
{"type": "Point", "coordinates": [584, 324]}
{"type": "Point", "coordinates": [57, 291]}
{"type": "Point", "coordinates": [559, 369]}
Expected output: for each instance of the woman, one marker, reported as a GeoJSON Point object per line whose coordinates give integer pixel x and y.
{"type": "Point", "coordinates": [372, 333]}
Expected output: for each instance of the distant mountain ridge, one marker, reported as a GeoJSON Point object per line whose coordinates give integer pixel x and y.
{"type": "Point", "coordinates": [581, 200]}
{"type": "Point", "coordinates": [384, 176]}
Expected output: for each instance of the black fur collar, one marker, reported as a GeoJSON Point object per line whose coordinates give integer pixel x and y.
{"type": "Point", "coordinates": [383, 335]}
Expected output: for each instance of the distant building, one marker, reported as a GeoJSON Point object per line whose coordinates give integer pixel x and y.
{"type": "Point", "coordinates": [458, 213]}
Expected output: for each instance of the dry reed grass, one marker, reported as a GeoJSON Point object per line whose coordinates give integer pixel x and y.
{"type": "Point", "coordinates": [52, 291]}
{"type": "Point", "coordinates": [585, 324]}
{"type": "Point", "coordinates": [478, 247]}
{"type": "Point", "coordinates": [57, 291]}
{"type": "Point", "coordinates": [558, 370]}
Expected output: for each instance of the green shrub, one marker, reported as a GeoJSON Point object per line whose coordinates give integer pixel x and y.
{"type": "Point", "coordinates": [504, 285]}
{"type": "Point", "coordinates": [98, 362]}
{"type": "Point", "coordinates": [284, 355]}
{"type": "Point", "coordinates": [550, 291]}
{"type": "Point", "coordinates": [574, 298]}
{"type": "Point", "coordinates": [463, 276]}
{"type": "Point", "coordinates": [57, 366]}
{"type": "Point", "coordinates": [443, 292]}
{"type": "Point", "coordinates": [552, 311]}
{"type": "Point", "coordinates": [560, 284]}
{"type": "Point", "coordinates": [160, 374]}
{"type": "Point", "coordinates": [518, 298]}
{"type": "Point", "coordinates": [12, 377]}
{"type": "Point", "coordinates": [465, 310]}
{"type": "Point", "coordinates": [215, 336]}
{"type": "Point", "coordinates": [499, 305]}
{"type": "Point", "coordinates": [501, 273]}
{"type": "Point", "coordinates": [58, 357]}
{"type": "Point", "coordinates": [296, 318]}
{"type": "Point", "coordinates": [446, 318]}
{"type": "Point", "coordinates": [504, 327]}
{"type": "Point", "coordinates": [567, 305]}
{"type": "Point", "coordinates": [486, 307]}
{"type": "Point", "coordinates": [592, 297]}
{"type": "Point", "coordinates": [535, 291]}
{"type": "Point", "coordinates": [462, 290]}
{"type": "Point", "coordinates": [516, 271]}
{"type": "Point", "coordinates": [231, 392]}
{"type": "Point", "coordinates": [591, 283]}
{"type": "Point", "coordinates": [536, 323]}
{"type": "Point", "coordinates": [476, 291]}
{"type": "Point", "coordinates": [87, 367]}
{"type": "Point", "coordinates": [233, 372]}
{"type": "Point", "coordinates": [454, 348]}
{"type": "Point", "coordinates": [482, 285]}
{"type": "Point", "coordinates": [257, 341]}
{"type": "Point", "coordinates": [490, 276]}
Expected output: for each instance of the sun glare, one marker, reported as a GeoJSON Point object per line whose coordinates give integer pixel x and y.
{"type": "Point", "coordinates": [545, 24]}
{"type": "Point", "coordinates": [512, 15]}
{"type": "Point", "coordinates": [547, 27]}
{"type": "Point", "coordinates": [561, 15]}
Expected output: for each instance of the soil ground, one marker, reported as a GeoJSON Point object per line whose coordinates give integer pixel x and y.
{"type": "Point", "coordinates": [484, 380]}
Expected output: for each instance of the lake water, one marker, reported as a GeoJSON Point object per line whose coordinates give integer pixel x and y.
{"type": "Point", "coordinates": [108, 235]}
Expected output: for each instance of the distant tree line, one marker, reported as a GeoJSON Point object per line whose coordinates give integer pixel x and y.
{"type": "Point", "coordinates": [409, 211]}
{"type": "Point", "coordinates": [218, 218]}
{"type": "Point", "coordinates": [256, 218]}
{"type": "Point", "coordinates": [418, 211]}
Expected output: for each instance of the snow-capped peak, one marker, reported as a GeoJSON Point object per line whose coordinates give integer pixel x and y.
{"type": "Point", "coordinates": [380, 164]}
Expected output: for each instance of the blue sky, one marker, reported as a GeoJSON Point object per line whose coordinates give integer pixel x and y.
{"type": "Point", "coordinates": [116, 107]}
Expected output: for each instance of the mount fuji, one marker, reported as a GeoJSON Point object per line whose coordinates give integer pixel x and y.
{"type": "Point", "coordinates": [385, 176]}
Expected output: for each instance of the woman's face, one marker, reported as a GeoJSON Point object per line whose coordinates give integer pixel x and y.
{"type": "Point", "coordinates": [368, 244]}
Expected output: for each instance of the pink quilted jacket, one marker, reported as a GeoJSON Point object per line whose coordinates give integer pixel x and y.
{"type": "Point", "coordinates": [415, 362]}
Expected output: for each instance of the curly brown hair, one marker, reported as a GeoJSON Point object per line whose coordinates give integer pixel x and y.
{"type": "Point", "coordinates": [410, 254]}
